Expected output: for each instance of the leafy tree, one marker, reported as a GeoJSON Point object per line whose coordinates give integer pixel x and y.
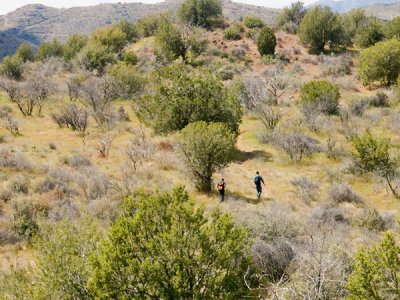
{"type": "Point", "coordinates": [147, 25]}
{"type": "Point", "coordinates": [253, 22]}
{"type": "Point", "coordinates": [25, 52]}
{"type": "Point", "coordinates": [129, 80]}
{"type": "Point", "coordinates": [292, 15]}
{"type": "Point", "coordinates": [380, 63]}
{"type": "Point", "coordinates": [181, 97]}
{"type": "Point", "coordinates": [321, 95]}
{"type": "Point", "coordinates": [266, 42]}
{"type": "Point", "coordinates": [205, 149]}
{"type": "Point", "coordinates": [320, 27]}
{"type": "Point", "coordinates": [353, 22]}
{"type": "Point", "coordinates": [110, 36]}
{"type": "Point", "coordinates": [50, 49]}
{"type": "Point", "coordinates": [130, 30]}
{"type": "Point", "coordinates": [393, 29]}
{"type": "Point", "coordinates": [198, 12]}
{"type": "Point", "coordinates": [163, 247]}
{"type": "Point", "coordinates": [73, 45]}
{"type": "Point", "coordinates": [376, 272]}
{"type": "Point", "coordinates": [173, 41]}
{"type": "Point", "coordinates": [96, 57]}
{"type": "Point", "coordinates": [372, 154]}
{"type": "Point", "coordinates": [370, 34]}
{"type": "Point", "coordinates": [12, 67]}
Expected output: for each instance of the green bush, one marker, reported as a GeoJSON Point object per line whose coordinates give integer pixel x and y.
{"type": "Point", "coordinates": [25, 52]}
{"type": "Point", "coordinates": [12, 67]}
{"type": "Point", "coordinates": [181, 97]}
{"type": "Point", "coordinates": [253, 22]}
{"type": "Point", "coordinates": [380, 63]}
{"type": "Point", "coordinates": [291, 17]}
{"type": "Point", "coordinates": [49, 49]}
{"type": "Point", "coordinates": [147, 25]}
{"type": "Point", "coordinates": [130, 58]}
{"type": "Point", "coordinates": [128, 79]}
{"type": "Point", "coordinates": [206, 149]}
{"type": "Point", "coordinates": [320, 27]}
{"type": "Point", "coordinates": [266, 42]}
{"type": "Point", "coordinates": [110, 36]}
{"type": "Point", "coordinates": [73, 45]}
{"type": "Point", "coordinates": [96, 57]}
{"type": "Point", "coordinates": [370, 35]}
{"type": "Point", "coordinates": [131, 31]}
{"type": "Point", "coordinates": [234, 32]}
{"type": "Point", "coordinates": [24, 218]}
{"type": "Point", "coordinates": [199, 12]}
{"type": "Point", "coordinates": [251, 34]}
{"type": "Point", "coordinates": [393, 29]}
{"type": "Point", "coordinates": [321, 95]}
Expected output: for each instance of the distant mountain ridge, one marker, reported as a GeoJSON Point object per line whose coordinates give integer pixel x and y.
{"type": "Point", "coordinates": [37, 23]}
{"type": "Point", "coordinates": [343, 6]}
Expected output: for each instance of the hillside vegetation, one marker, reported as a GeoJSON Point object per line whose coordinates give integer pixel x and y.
{"type": "Point", "coordinates": [112, 145]}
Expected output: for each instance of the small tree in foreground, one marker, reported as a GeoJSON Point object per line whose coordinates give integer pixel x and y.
{"type": "Point", "coordinates": [162, 247]}
{"type": "Point", "coordinates": [376, 272]}
{"type": "Point", "coordinates": [205, 149]}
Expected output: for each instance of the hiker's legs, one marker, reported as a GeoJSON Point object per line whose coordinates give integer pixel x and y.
{"type": "Point", "coordinates": [259, 190]}
{"type": "Point", "coordinates": [222, 196]}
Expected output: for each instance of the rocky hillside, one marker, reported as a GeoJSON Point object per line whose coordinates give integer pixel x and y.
{"type": "Point", "coordinates": [384, 11]}
{"type": "Point", "coordinates": [342, 6]}
{"type": "Point", "coordinates": [37, 23]}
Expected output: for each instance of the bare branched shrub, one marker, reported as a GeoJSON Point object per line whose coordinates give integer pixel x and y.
{"type": "Point", "coordinates": [78, 160]}
{"type": "Point", "coordinates": [57, 180]}
{"type": "Point", "coordinates": [394, 121]}
{"type": "Point", "coordinates": [349, 126]}
{"type": "Point", "coordinates": [305, 188]}
{"type": "Point", "coordinates": [104, 145]}
{"type": "Point", "coordinates": [342, 192]}
{"type": "Point", "coordinates": [269, 116]}
{"type": "Point", "coordinates": [13, 160]}
{"type": "Point", "coordinates": [332, 151]}
{"type": "Point", "coordinates": [7, 120]}
{"type": "Point", "coordinates": [253, 92]}
{"type": "Point", "coordinates": [238, 52]}
{"type": "Point", "coordinates": [296, 145]}
{"type": "Point", "coordinates": [97, 95]}
{"type": "Point", "coordinates": [122, 116]}
{"type": "Point", "coordinates": [276, 80]}
{"type": "Point", "coordinates": [7, 232]}
{"type": "Point", "coordinates": [329, 215]}
{"type": "Point", "coordinates": [92, 183]}
{"type": "Point", "coordinates": [140, 148]}
{"type": "Point", "coordinates": [358, 107]}
{"type": "Point", "coordinates": [105, 209]}
{"type": "Point", "coordinates": [73, 117]}
{"type": "Point", "coordinates": [272, 259]}
{"type": "Point", "coordinates": [380, 99]}
{"type": "Point", "coordinates": [336, 65]}
{"type": "Point", "coordinates": [314, 119]}
{"type": "Point", "coordinates": [74, 86]}
{"type": "Point", "coordinates": [6, 194]}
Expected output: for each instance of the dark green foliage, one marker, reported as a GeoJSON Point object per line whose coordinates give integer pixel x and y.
{"type": "Point", "coordinates": [380, 63]}
{"type": "Point", "coordinates": [73, 45]}
{"type": "Point", "coordinates": [266, 42]}
{"type": "Point", "coordinates": [321, 95]}
{"type": "Point", "coordinates": [353, 23]}
{"type": "Point", "coordinates": [25, 52]}
{"type": "Point", "coordinates": [370, 34]}
{"type": "Point", "coordinates": [163, 247]}
{"type": "Point", "coordinates": [147, 25]}
{"type": "Point", "coordinates": [291, 17]}
{"type": "Point", "coordinates": [181, 97]}
{"type": "Point", "coordinates": [376, 272]}
{"type": "Point", "coordinates": [234, 32]}
{"type": "Point", "coordinates": [199, 12]}
{"type": "Point", "coordinates": [320, 27]}
{"type": "Point", "coordinates": [206, 149]}
{"type": "Point", "coordinates": [129, 80]}
{"type": "Point", "coordinates": [130, 58]}
{"type": "Point", "coordinates": [131, 32]}
{"type": "Point", "coordinates": [96, 57]}
{"type": "Point", "coordinates": [393, 29]}
{"type": "Point", "coordinates": [24, 218]}
{"type": "Point", "coordinates": [111, 37]}
{"type": "Point", "coordinates": [12, 67]}
{"type": "Point", "coordinates": [253, 22]}
{"type": "Point", "coordinates": [50, 49]}
{"type": "Point", "coordinates": [173, 41]}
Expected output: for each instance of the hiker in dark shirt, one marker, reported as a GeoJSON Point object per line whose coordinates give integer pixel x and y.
{"type": "Point", "coordinates": [221, 188]}
{"type": "Point", "coordinates": [257, 181]}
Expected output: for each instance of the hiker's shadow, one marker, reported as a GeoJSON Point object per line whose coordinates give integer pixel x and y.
{"type": "Point", "coordinates": [242, 156]}
{"type": "Point", "coordinates": [237, 197]}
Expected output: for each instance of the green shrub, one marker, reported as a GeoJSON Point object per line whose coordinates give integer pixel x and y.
{"type": "Point", "coordinates": [252, 34]}
{"type": "Point", "coordinates": [131, 31]}
{"type": "Point", "coordinates": [24, 218]}
{"type": "Point", "coordinates": [128, 79]}
{"type": "Point", "coordinates": [234, 32]}
{"type": "Point", "coordinates": [130, 58]}
{"type": "Point", "coordinates": [320, 27]}
{"type": "Point", "coordinates": [206, 149]}
{"type": "Point", "coordinates": [371, 220]}
{"type": "Point", "coordinates": [199, 12]}
{"type": "Point", "coordinates": [380, 63]}
{"type": "Point", "coordinates": [110, 36]}
{"type": "Point", "coordinates": [12, 67]}
{"type": "Point", "coordinates": [49, 49]}
{"type": "Point", "coordinates": [96, 57]}
{"type": "Point", "coordinates": [393, 29]}
{"type": "Point", "coordinates": [321, 95]}
{"type": "Point", "coordinates": [74, 45]}
{"type": "Point", "coordinates": [370, 35]}
{"type": "Point", "coordinates": [181, 97]}
{"type": "Point", "coordinates": [291, 17]}
{"type": "Point", "coordinates": [266, 42]}
{"type": "Point", "coordinates": [380, 99]}
{"type": "Point", "coordinates": [253, 22]}
{"type": "Point", "coordinates": [25, 52]}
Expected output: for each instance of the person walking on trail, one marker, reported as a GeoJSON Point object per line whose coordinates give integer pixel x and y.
{"type": "Point", "coordinates": [257, 181]}
{"type": "Point", "coordinates": [221, 188]}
